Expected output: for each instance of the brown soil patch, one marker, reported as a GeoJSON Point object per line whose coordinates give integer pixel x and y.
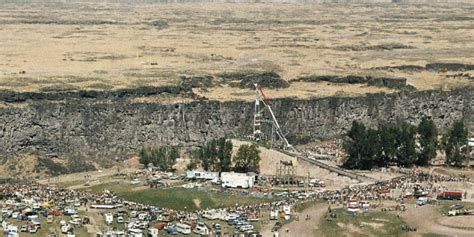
{"type": "Point", "coordinates": [197, 202]}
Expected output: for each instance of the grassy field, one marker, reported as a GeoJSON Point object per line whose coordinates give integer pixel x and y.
{"type": "Point", "coordinates": [373, 223]}
{"type": "Point", "coordinates": [176, 198]}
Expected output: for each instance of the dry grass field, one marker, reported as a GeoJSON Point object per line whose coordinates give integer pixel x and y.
{"type": "Point", "coordinates": [104, 47]}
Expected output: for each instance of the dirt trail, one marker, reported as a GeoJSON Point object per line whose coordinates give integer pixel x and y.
{"type": "Point", "coordinates": [94, 226]}
{"type": "Point", "coordinates": [302, 227]}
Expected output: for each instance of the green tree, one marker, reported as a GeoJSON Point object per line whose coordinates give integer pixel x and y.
{"type": "Point", "coordinates": [247, 159]}
{"type": "Point", "coordinates": [216, 155]}
{"type": "Point", "coordinates": [224, 148]}
{"type": "Point", "coordinates": [373, 150]}
{"type": "Point", "coordinates": [195, 162]}
{"type": "Point", "coordinates": [163, 157]}
{"type": "Point", "coordinates": [456, 144]}
{"type": "Point", "coordinates": [428, 139]}
{"type": "Point", "coordinates": [354, 144]}
{"type": "Point", "coordinates": [406, 143]}
{"type": "Point", "coordinates": [144, 157]}
{"type": "Point", "coordinates": [388, 144]}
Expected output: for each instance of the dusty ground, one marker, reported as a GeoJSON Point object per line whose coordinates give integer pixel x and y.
{"type": "Point", "coordinates": [301, 228]}
{"type": "Point", "coordinates": [428, 220]}
{"type": "Point", "coordinates": [271, 159]}
{"type": "Point", "coordinates": [77, 180]}
{"type": "Point", "coordinates": [102, 47]}
{"type": "Point", "coordinates": [456, 172]}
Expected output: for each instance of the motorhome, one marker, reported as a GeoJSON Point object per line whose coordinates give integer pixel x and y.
{"type": "Point", "coordinates": [183, 228]}
{"type": "Point", "coordinates": [201, 229]}
{"type": "Point", "coordinates": [237, 180]}
{"type": "Point", "coordinates": [135, 233]}
{"type": "Point", "coordinates": [202, 175]}
{"type": "Point", "coordinates": [95, 206]}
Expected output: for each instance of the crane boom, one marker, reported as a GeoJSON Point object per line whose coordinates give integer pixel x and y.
{"type": "Point", "coordinates": [260, 97]}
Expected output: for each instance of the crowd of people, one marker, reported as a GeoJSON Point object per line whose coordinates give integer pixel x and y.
{"type": "Point", "coordinates": [374, 192]}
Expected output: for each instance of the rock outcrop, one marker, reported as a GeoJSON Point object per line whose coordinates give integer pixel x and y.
{"type": "Point", "coordinates": [106, 129]}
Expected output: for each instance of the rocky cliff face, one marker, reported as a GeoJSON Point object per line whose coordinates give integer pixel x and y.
{"type": "Point", "coordinates": [243, 1]}
{"type": "Point", "coordinates": [116, 128]}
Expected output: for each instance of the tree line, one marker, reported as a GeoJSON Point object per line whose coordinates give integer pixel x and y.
{"type": "Point", "coordinates": [403, 145]}
{"type": "Point", "coordinates": [164, 157]}
{"type": "Point", "coordinates": [215, 155]}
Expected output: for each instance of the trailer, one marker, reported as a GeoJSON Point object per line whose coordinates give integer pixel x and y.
{"type": "Point", "coordinates": [237, 180]}
{"type": "Point", "coordinates": [184, 229]}
{"type": "Point", "coordinates": [450, 195]}
{"type": "Point", "coordinates": [202, 175]}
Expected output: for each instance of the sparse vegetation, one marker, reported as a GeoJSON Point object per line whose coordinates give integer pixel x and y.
{"type": "Point", "coordinates": [297, 42]}
{"type": "Point", "coordinates": [374, 223]}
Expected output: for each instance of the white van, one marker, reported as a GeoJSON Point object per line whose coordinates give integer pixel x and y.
{"type": "Point", "coordinates": [183, 228]}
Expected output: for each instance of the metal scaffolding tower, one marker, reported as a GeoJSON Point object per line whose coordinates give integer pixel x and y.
{"type": "Point", "coordinates": [262, 105]}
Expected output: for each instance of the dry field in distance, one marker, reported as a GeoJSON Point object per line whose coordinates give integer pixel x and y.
{"type": "Point", "coordinates": [105, 47]}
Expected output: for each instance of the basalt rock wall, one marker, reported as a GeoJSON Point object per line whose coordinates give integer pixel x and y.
{"type": "Point", "coordinates": [116, 128]}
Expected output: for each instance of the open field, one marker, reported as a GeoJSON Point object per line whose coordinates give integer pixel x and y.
{"type": "Point", "coordinates": [105, 47]}
{"type": "Point", "coordinates": [373, 223]}
{"type": "Point", "coordinates": [175, 198]}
